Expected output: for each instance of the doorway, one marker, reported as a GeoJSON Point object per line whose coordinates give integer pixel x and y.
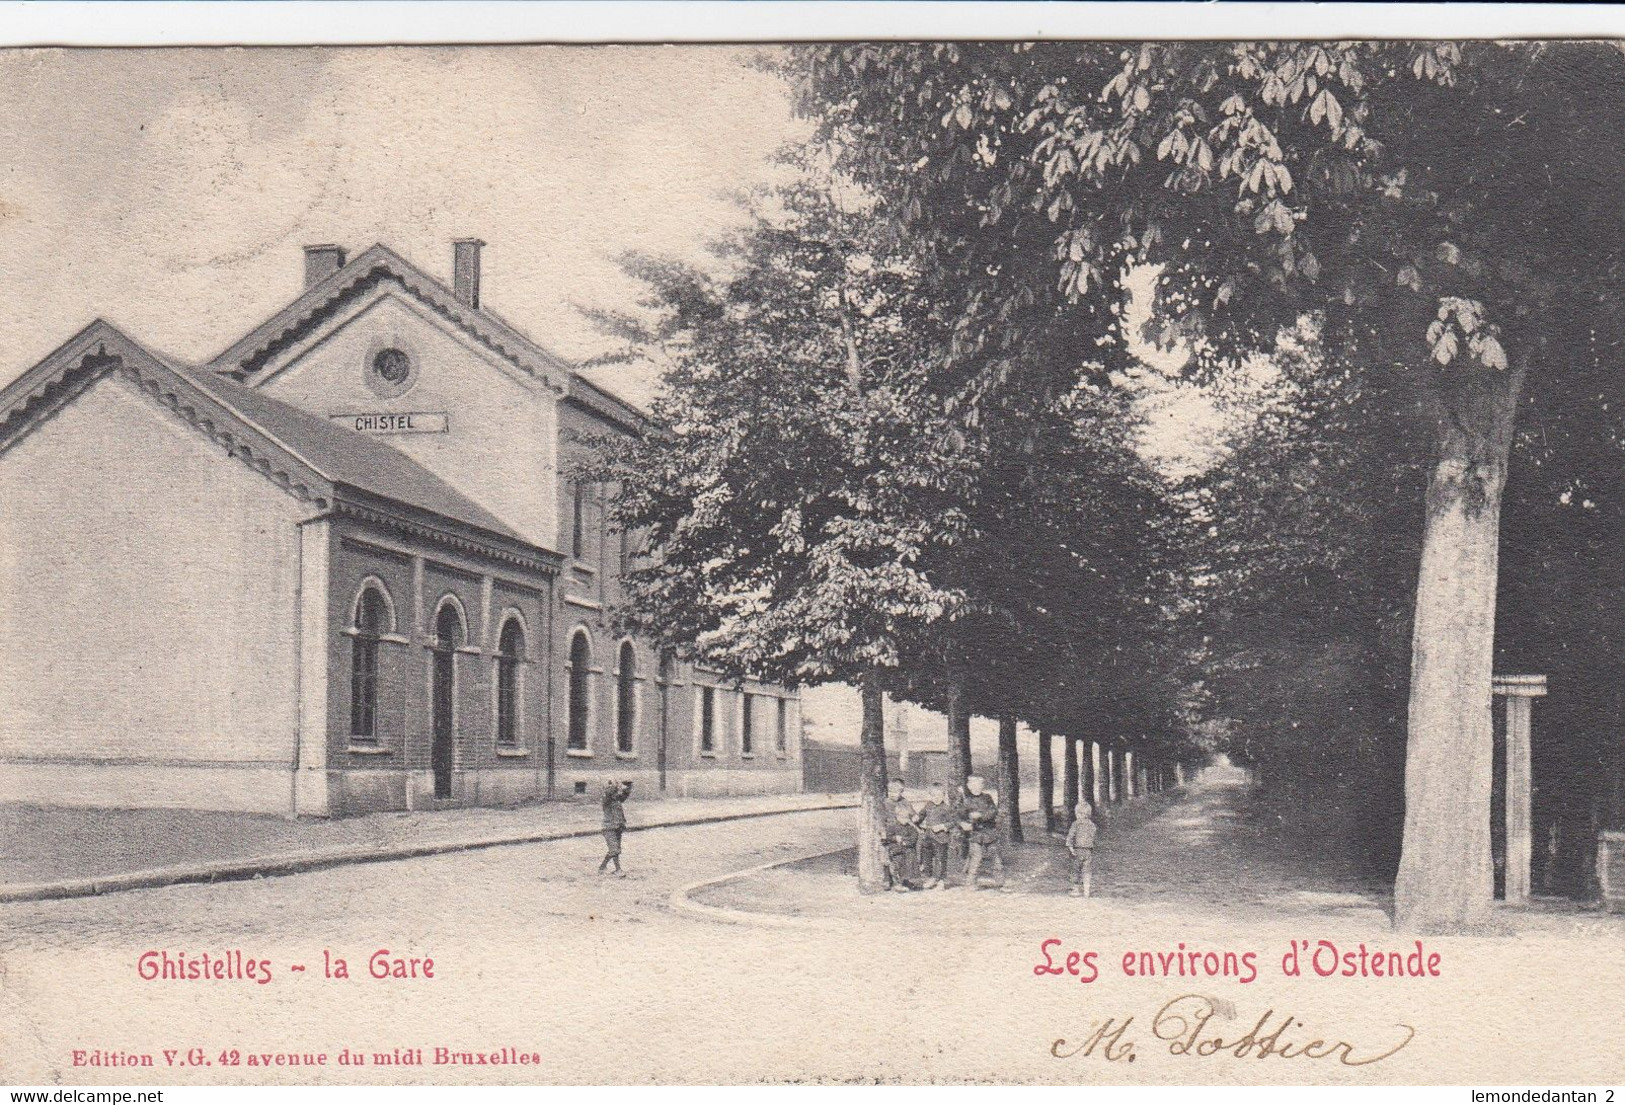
{"type": "Point", "coordinates": [448, 637]}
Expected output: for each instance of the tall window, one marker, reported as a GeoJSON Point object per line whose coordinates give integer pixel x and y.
{"type": "Point", "coordinates": [371, 616]}
{"type": "Point", "coordinates": [746, 747]}
{"type": "Point", "coordinates": [626, 699]}
{"type": "Point", "coordinates": [578, 521]}
{"type": "Point", "coordinates": [580, 663]}
{"type": "Point", "coordinates": [781, 731]}
{"type": "Point", "coordinates": [708, 719]}
{"type": "Point", "coordinates": [448, 628]}
{"type": "Point", "coordinates": [449, 636]}
{"type": "Point", "coordinates": [510, 654]}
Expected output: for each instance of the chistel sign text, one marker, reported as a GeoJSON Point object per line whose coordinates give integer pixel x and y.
{"type": "Point", "coordinates": [406, 422]}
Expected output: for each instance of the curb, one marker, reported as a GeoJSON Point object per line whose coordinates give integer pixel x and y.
{"type": "Point", "coordinates": [681, 900]}
{"type": "Point", "coordinates": [303, 863]}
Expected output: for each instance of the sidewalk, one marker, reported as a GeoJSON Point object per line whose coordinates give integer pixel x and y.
{"type": "Point", "coordinates": [1189, 853]}
{"type": "Point", "coordinates": [64, 853]}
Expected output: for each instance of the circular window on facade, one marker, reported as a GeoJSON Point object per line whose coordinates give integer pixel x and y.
{"type": "Point", "coordinates": [391, 370]}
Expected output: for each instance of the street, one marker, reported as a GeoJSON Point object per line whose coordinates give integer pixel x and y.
{"type": "Point", "coordinates": [604, 982]}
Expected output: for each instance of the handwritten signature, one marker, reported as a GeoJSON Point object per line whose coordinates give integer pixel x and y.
{"type": "Point", "coordinates": [1183, 1025]}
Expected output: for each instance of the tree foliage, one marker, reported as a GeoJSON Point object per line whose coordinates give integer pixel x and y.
{"type": "Point", "coordinates": [799, 479]}
{"type": "Point", "coordinates": [1433, 208]}
{"type": "Point", "coordinates": [1407, 191]}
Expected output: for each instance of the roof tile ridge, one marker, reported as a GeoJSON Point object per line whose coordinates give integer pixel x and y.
{"type": "Point", "coordinates": [483, 324]}
{"type": "Point", "coordinates": [303, 309]}
{"type": "Point", "coordinates": [281, 474]}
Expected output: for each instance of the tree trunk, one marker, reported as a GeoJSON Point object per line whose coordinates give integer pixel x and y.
{"type": "Point", "coordinates": [872, 788]}
{"type": "Point", "coordinates": [959, 762]}
{"type": "Point", "coordinates": [1445, 879]}
{"type": "Point", "coordinates": [1009, 781]}
{"type": "Point", "coordinates": [1069, 779]}
{"type": "Point", "coordinates": [1090, 781]}
{"type": "Point", "coordinates": [1046, 782]}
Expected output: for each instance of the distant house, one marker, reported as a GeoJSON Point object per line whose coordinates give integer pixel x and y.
{"type": "Point", "coordinates": [916, 740]}
{"type": "Point", "coordinates": [342, 567]}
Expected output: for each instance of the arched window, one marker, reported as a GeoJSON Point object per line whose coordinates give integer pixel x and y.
{"type": "Point", "coordinates": [580, 700]}
{"type": "Point", "coordinates": [371, 622]}
{"type": "Point", "coordinates": [448, 628]}
{"type": "Point", "coordinates": [626, 700]}
{"type": "Point", "coordinates": [510, 654]}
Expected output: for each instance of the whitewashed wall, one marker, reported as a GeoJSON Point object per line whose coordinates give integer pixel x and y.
{"type": "Point", "coordinates": [148, 614]}
{"type": "Point", "coordinates": [501, 444]}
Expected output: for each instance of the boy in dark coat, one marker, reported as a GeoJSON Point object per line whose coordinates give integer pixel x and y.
{"type": "Point", "coordinates": [958, 839]}
{"type": "Point", "coordinates": [937, 819]}
{"type": "Point", "coordinates": [979, 818]}
{"type": "Point", "coordinates": [900, 841]}
{"type": "Point", "coordinates": [615, 795]}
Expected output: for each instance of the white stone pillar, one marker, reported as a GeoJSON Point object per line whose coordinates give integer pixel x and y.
{"type": "Point", "coordinates": [1520, 691]}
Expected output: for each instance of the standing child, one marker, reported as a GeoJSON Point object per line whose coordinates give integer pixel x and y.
{"type": "Point", "coordinates": [958, 839]}
{"type": "Point", "coordinates": [900, 840]}
{"type": "Point", "coordinates": [979, 819]}
{"type": "Point", "coordinates": [895, 800]}
{"type": "Point", "coordinates": [937, 819]}
{"type": "Point", "coordinates": [1080, 841]}
{"type": "Point", "coordinates": [615, 795]}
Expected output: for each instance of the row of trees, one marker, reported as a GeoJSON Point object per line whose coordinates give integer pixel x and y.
{"type": "Point", "coordinates": [824, 506]}
{"type": "Point", "coordinates": [900, 450]}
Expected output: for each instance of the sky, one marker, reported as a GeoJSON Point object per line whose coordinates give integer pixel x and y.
{"type": "Point", "coordinates": [171, 192]}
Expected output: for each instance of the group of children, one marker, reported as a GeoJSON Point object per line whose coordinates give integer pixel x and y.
{"type": "Point", "coordinates": [957, 830]}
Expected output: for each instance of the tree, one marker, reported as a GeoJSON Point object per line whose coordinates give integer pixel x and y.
{"type": "Point", "coordinates": [1431, 205]}
{"type": "Point", "coordinates": [1064, 551]}
{"type": "Point", "coordinates": [797, 481]}
{"type": "Point", "coordinates": [1308, 560]}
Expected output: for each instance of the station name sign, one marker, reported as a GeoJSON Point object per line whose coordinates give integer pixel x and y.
{"type": "Point", "coordinates": [404, 422]}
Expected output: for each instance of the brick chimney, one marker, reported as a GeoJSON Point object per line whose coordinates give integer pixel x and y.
{"type": "Point", "coordinates": [322, 262]}
{"type": "Point", "coordinates": [465, 270]}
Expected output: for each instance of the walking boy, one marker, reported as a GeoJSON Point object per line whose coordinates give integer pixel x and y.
{"type": "Point", "coordinates": [615, 795]}
{"type": "Point", "coordinates": [1080, 841]}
